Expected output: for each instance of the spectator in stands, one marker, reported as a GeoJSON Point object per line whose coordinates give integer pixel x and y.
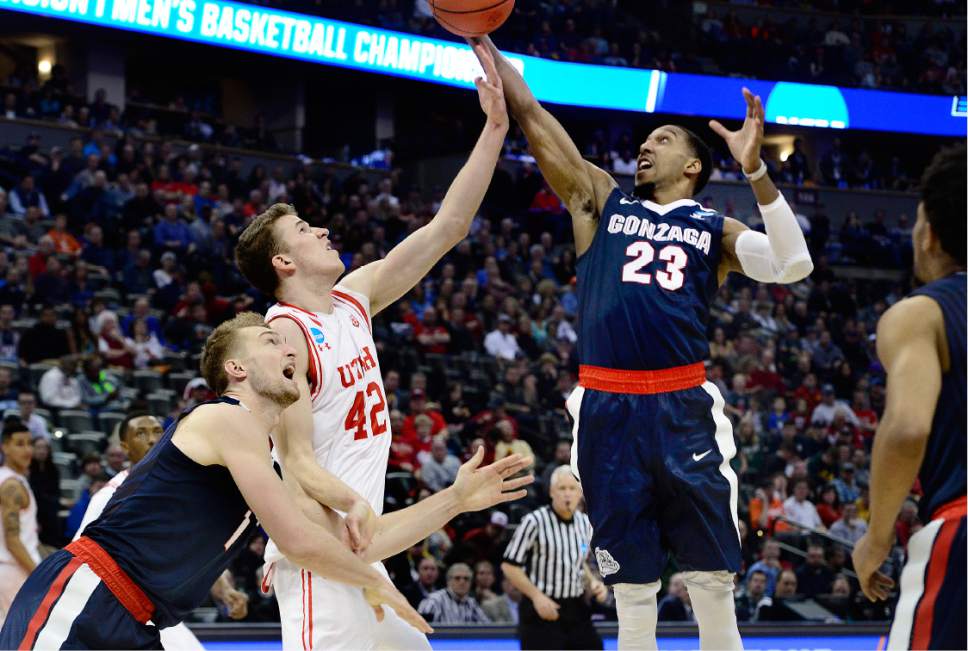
{"type": "Point", "coordinates": [428, 573]}
{"type": "Point", "coordinates": [849, 527]}
{"type": "Point", "coordinates": [508, 443]}
{"type": "Point", "coordinates": [93, 479]}
{"type": "Point", "coordinates": [786, 590]}
{"type": "Point", "coordinates": [676, 606]}
{"type": "Point", "coordinates": [769, 564]}
{"type": "Point", "coordinates": [485, 543]}
{"type": "Point", "coordinates": [172, 233]}
{"type": "Point", "coordinates": [45, 483]}
{"type": "Point", "coordinates": [44, 340]}
{"type": "Point", "coordinates": [9, 337]}
{"type": "Point", "coordinates": [431, 336]}
{"type": "Point", "coordinates": [562, 457]}
{"type": "Point", "coordinates": [800, 510]}
{"type": "Point", "coordinates": [100, 390]}
{"type": "Point", "coordinates": [907, 522]}
{"type": "Point", "coordinates": [144, 345]}
{"type": "Point", "coordinates": [112, 346]}
{"type": "Point", "coordinates": [846, 484]}
{"type": "Point", "coordinates": [754, 595]}
{"type": "Point", "coordinates": [419, 407]}
{"type": "Point", "coordinates": [814, 577]}
{"type": "Point", "coordinates": [454, 604]}
{"type": "Point", "coordinates": [59, 387]}
{"type": "Point", "coordinates": [504, 608]}
{"type": "Point", "coordinates": [8, 393]}
{"type": "Point", "coordinates": [483, 582]}
{"type": "Point", "coordinates": [26, 195]}
{"type": "Point", "coordinates": [115, 460]}
{"type": "Point", "coordinates": [502, 342]}
{"type": "Point", "coordinates": [825, 413]}
{"type": "Point", "coordinates": [26, 406]}
{"type": "Point", "coordinates": [829, 507]}
{"type": "Point", "coordinates": [63, 241]}
{"type": "Point", "coordinates": [440, 470]}
{"type": "Point", "coordinates": [826, 354]}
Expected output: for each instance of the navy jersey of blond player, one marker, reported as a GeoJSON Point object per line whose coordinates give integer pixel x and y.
{"type": "Point", "coordinates": [184, 512]}
{"type": "Point", "coordinates": [921, 343]}
{"type": "Point", "coordinates": [652, 444]}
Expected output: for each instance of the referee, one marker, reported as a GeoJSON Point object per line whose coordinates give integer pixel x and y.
{"type": "Point", "coordinates": [546, 561]}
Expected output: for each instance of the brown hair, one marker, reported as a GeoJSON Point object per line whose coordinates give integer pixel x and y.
{"type": "Point", "coordinates": [258, 245]}
{"type": "Point", "coordinates": [219, 347]}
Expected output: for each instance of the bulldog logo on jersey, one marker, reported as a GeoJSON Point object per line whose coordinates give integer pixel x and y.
{"type": "Point", "coordinates": [606, 564]}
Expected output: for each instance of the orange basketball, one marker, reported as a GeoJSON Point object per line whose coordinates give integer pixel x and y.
{"type": "Point", "coordinates": [471, 17]}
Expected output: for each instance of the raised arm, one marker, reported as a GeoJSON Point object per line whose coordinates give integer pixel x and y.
{"type": "Point", "coordinates": [781, 255]}
{"type": "Point", "coordinates": [13, 499]}
{"type": "Point", "coordinates": [384, 281]}
{"type": "Point", "coordinates": [911, 345]}
{"type": "Point", "coordinates": [582, 187]}
{"type": "Point", "coordinates": [232, 439]}
{"type": "Point", "coordinates": [293, 440]}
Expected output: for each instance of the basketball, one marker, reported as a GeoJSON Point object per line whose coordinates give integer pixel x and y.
{"type": "Point", "coordinates": [471, 17]}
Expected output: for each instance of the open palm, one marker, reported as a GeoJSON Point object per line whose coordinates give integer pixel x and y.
{"type": "Point", "coordinates": [479, 488]}
{"type": "Point", "coordinates": [745, 143]}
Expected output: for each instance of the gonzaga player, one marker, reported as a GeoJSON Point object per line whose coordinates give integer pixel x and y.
{"type": "Point", "coordinates": [334, 442]}
{"type": "Point", "coordinates": [652, 444]}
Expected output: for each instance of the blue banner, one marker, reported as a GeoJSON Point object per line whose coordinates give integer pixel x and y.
{"type": "Point", "coordinates": [332, 42]}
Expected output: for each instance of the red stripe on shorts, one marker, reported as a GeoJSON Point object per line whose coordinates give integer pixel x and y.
{"type": "Point", "coordinates": [937, 567]}
{"type": "Point", "coordinates": [43, 611]}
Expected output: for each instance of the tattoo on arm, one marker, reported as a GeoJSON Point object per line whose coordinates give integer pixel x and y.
{"type": "Point", "coordinates": [11, 523]}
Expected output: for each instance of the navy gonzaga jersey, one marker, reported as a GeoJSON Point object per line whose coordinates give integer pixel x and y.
{"type": "Point", "coordinates": [645, 284]}
{"type": "Point", "coordinates": [943, 470]}
{"type": "Point", "coordinates": [173, 526]}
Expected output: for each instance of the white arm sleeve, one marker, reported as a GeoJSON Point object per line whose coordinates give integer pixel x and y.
{"type": "Point", "coordinates": [780, 256]}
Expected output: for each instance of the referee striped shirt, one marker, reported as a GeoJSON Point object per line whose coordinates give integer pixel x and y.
{"type": "Point", "coordinates": [552, 551]}
{"type": "Point", "coordinates": [443, 607]}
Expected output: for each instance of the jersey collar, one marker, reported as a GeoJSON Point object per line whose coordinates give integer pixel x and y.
{"type": "Point", "coordinates": [662, 209]}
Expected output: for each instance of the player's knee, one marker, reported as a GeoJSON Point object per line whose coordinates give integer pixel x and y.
{"type": "Point", "coordinates": [633, 594]}
{"type": "Point", "coordinates": [720, 581]}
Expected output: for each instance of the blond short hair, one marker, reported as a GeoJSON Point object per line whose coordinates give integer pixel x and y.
{"type": "Point", "coordinates": [221, 344]}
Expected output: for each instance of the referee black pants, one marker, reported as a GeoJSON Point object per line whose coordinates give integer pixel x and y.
{"type": "Point", "coordinates": [572, 630]}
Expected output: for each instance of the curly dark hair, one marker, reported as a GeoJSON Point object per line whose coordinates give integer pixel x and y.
{"type": "Point", "coordinates": [943, 190]}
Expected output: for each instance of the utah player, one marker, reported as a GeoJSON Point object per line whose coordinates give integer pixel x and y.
{"type": "Point", "coordinates": [334, 442]}
{"type": "Point", "coordinates": [921, 342]}
{"type": "Point", "coordinates": [184, 513]}
{"type": "Point", "coordinates": [652, 444]}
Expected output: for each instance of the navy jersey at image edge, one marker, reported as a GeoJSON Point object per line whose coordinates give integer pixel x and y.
{"type": "Point", "coordinates": [943, 474]}
{"type": "Point", "coordinates": [174, 526]}
{"type": "Point", "coordinates": [646, 282]}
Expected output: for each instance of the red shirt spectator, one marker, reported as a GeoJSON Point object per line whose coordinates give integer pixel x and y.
{"type": "Point", "coordinates": [809, 390]}
{"type": "Point", "coordinates": [431, 336]}
{"type": "Point", "coordinates": [418, 406]}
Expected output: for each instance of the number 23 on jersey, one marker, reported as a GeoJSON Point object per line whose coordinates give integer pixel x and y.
{"type": "Point", "coordinates": [643, 254]}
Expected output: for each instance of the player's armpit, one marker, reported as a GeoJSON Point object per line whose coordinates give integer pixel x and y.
{"type": "Point", "coordinates": [729, 260]}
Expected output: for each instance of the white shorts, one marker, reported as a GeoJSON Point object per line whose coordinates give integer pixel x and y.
{"type": "Point", "coordinates": [12, 577]}
{"type": "Point", "coordinates": [320, 614]}
{"type": "Point", "coordinates": [180, 638]}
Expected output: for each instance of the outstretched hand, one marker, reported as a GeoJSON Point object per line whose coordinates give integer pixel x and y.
{"type": "Point", "coordinates": [745, 143]}
{"type": "Point", "coordinates": [479, 488]}
{"type": "Point", "coordinates": [490, 90]}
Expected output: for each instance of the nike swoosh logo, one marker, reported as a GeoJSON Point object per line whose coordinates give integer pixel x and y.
{"type": "Point", "coordinates": [700, 457]}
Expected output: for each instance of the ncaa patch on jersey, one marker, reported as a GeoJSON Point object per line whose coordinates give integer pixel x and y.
{"type": "Point", "coordinates": [606, 564]}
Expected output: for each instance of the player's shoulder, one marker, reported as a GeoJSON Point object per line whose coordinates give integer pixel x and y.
{"type": "Point", "coordinates": [910, 316]}
{"type": "Point", "coordinates": [12, 491]}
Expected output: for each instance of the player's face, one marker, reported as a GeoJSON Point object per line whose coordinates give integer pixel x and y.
{"type": "Point", "coordinates": [662, 157]}
{"type": "Point", "coordinates": [308, 248]}
{"type": "Point", "coordinates": [19, 450]}
{"type": "Point", "coordinates": [565, 494]}
{"type": "Point", "coordinates": [271, 366]}
{"type": "Point", "coordinates": [141, 436]}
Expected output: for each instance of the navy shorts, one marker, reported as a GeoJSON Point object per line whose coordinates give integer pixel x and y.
{"type": "Point", "coordinates": [930, 612]}
{"type": "Point", "coordinates": [655, 472]}
{"type": "Point", "coordinates": [65, 605]}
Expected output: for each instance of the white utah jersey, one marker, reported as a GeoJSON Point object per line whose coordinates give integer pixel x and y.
{"type": "Point", "coordinates": [29, 531]}
{"type": "Point", "coordinates": [100, 500]}
{"type": "Point", "coordinates": [351, 421]}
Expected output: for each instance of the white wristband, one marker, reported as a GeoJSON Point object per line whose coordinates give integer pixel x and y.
{"type": "Point", "coordinates": [759, 173]}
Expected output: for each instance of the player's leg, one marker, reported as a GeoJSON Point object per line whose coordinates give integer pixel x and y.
{"type": "Point", "coordinates": [613, 455]}
{"type": "Point", "coordinates": [698, 494]}
{"type": "Point", "coordinates": [180, 638]}
{"type": "Point", "coordinates": [932, 587]}
{"type": "Point", "coordinates": [21, 612]}
{"type": "Point", "coordinates": [12, 577]}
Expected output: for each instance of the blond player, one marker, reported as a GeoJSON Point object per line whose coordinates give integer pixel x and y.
{"type": "Point", "coordinates": [19, 553]}
{"type": "Point", "coordinates": [334, 442]}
